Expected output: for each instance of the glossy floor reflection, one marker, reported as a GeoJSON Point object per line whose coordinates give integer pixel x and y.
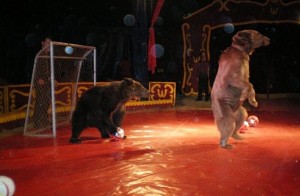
{"type": "Point", "coordinates": [168, 152]}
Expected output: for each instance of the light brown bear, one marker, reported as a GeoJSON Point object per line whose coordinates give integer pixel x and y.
{"type": "Point", "coordinates": [232, 87]}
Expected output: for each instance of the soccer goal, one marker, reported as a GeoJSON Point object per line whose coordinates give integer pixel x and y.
{"type": "Point", "coordinates": [57, 71]}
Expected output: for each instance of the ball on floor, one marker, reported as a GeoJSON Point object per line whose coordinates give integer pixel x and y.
{"type": "Point", "coordinates": [253, 121]}
{"type": "Point", "coordinates": [120, 133]}
{"type": "Point", "coordinates": [244, 127]}
{"type": "Point", "coordinates": [7, 186]}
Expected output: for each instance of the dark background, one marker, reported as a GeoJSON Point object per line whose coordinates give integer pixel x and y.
{"type": "Point", "coordinates": [273, 69]}
{"type": "Point", "coordinates": [25, 23]}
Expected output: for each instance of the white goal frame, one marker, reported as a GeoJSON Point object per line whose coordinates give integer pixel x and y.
{"type": "Point", "coordinates": [58, 52]}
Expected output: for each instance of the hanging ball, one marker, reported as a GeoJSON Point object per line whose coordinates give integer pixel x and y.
{"type": "Point", "coordinates": [129, 20]}
{"type": "Point", "coordinates": [228, 27]}
{"type": "Point", "coordinates": [157, 50]}
{"type": "Point", "coordinates": [253, 121]}
{"type": "Point", "coordinates": [7, 186]}
{"type": "Point", "coordinates": [69, 50]}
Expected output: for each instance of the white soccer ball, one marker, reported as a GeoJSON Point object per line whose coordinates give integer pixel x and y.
{"type": "Point", "coordinates": [120, 133]}
{"type": "Point", "coordinates": [253, 121]}
{"type": "Point", "coordinates": [245, 125]}
{"type": "Point", "coordinates": [7, 186]}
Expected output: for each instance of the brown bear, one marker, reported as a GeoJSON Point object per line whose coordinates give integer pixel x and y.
{"type": "Point", "coordinates": [232, 87]}
{"type": "Point", "coordinates": [104, 107]}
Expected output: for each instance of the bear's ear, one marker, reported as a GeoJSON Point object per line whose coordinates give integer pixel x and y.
{"type": "Point", "coordinates": [128, 81]}
{"type": "Point", "coordinates": [243, 38]}
{"type": "Point", "coordinates": [244, 34]}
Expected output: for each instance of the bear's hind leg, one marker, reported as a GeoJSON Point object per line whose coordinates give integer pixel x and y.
{"type": "Point", "coordinates": [240, 116]}
{"type": "Point", "coordinates": [226, 127]}
{"type": "Point", "coordinates": [103, 129]}
{"type": "Point", "coordinates": [78, 125]}
{"type": "Point", "coordinates": [76, 131]}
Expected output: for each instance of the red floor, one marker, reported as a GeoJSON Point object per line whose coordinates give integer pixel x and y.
{"type": "Point", "coordinates": [166, 153]}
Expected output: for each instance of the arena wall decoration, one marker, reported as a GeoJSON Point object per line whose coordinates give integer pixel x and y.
{"type": "Point", "coordinates": [14, 99]}
{"type": "Point", "coordinates": [198, 26]}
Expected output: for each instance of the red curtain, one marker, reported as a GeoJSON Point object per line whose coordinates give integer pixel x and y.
{"type": "Point", "coordinates": [151, 41]}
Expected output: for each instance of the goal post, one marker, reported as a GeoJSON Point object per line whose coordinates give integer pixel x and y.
{"type": "Point", "coordinates": [57, 71]}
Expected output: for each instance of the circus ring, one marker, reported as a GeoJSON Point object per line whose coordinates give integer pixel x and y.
{"type": "Point", "coordinates": [169, 151]}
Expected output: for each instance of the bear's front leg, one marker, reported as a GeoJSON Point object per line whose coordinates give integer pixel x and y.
{"type": "Point", "coordinates": [78, 125]}
{"type": "Point", "coordinates": [77, 128]}
{"type": "Point", "coordinates": [75, 140]}
{"type": "Point", "coordinates": [225, 145]}
{"type": "Point", "coordinates": [251, 98]}
{"type": "Point", "coordinates": [115, 122]}
{"type": "Point", "coordinates": [103, 129]}
{"type": "Point", "coordinates": [114, 131]}
{"type": "Point", "coordinates": [240, 116]}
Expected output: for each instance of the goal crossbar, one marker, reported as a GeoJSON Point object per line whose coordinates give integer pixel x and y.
{"type": "Point", "coordinates": [55, 77]}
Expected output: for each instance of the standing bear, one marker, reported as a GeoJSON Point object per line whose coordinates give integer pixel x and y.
{"type": "Point", "coordinates": [104, 107]}
{"type": "Point", "coordinates": [232, 87]}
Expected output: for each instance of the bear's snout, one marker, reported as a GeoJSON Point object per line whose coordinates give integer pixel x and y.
{"type": "Point", "coordinates": [266, 41]}
{"type": "Point", "coordinates": [260, 40]}
{"type": "Point", "coordinates": [141, 93]}
{"type": "Point", "coordinates": [136, 90]}
{"type": "Point", "coordinates": [145, 93]}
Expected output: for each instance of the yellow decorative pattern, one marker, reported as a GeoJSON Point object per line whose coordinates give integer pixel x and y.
{"type": "Point", "coordinates": [1, 100]}
{"type": "Point", "coordinates": [162, 91]}
{"type": "Point", "coordinates": [149, 103]}
{"type": "Point", "coordinates": [81, 89]}
{"type": "Point", "coordinates": [14, 98]}
{"type": "Point", "coordinates": [67, 101]}
{"type": "Point", "coordinates": [13, 94]}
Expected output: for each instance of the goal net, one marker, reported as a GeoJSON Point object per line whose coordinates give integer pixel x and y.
{"type": "Point", "coordinates": [57, 71]}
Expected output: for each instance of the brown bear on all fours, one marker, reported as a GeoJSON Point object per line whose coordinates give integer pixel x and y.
{"type": "Point", "coordinates": [232, 87]}
{"type": "Point", "coordinates": [103, 107]}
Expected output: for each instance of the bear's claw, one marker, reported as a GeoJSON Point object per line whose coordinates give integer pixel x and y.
{"type": "Point", "coordinates": [75, 141]}
{"type": "Point", "coordinates": [226, 146]}
{"type": "Point", "coordinates": [116, 139]}
{"type": "Point", "coordinates": [236, 136]}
